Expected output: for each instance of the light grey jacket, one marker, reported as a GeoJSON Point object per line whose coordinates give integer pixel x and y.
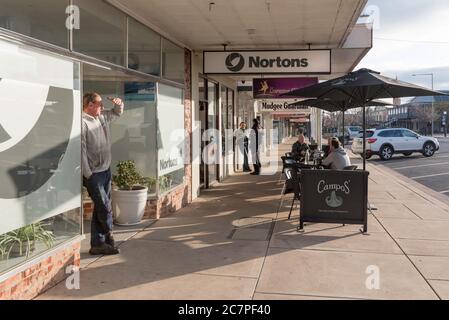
{"type": "Point", "coordinates": [96, 141]}
{"type": "Point", "coordinates": [337, 159]}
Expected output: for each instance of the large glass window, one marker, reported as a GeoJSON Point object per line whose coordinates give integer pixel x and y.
{"type": "Point", "coordinates": [133, 135]}
{"type": "Point", "coordinates": [144, 48]}
{"type": "Point", "coordinates": [102, 31]}
{"type": "Point", "coordinates": [171, 154]}
{"type": "Point", "coordinates": [44, 19]}
{"type": "Point", "coordinates": [172, 61]}
{"type": "Point", "coordinates": [40, 189]}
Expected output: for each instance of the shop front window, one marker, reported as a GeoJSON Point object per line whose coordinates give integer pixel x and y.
{"type": "Point", "coordinates": [44, 19]}
{"type": "Point", "coordinates": [144, 48]}
{"type": "Point", "coordinates": [40, 147]}
{"type": "Point", "coordinates": [133, 135]}
{"type": "Point", "coordinates": [172, 61]}
{"type": "Point", "coordinates": [170, 137]}
{"type": "Point", "coordinates": [102, 31]}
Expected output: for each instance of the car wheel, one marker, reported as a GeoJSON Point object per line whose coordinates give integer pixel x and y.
{"type": "Point", "coordinates": [429, 149]}
{"type": "Point", "coordinates": [386, 152]}
{"type": "Point", "coordinates": [407, 154]}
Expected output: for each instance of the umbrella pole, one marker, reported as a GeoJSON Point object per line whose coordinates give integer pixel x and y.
{"type": "Point", "coordinates": [364, 138]}
{"type": "Point", "coordinates": [343, 127]}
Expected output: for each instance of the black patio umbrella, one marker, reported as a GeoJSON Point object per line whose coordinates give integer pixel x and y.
{"type": "Point", "coordinates": [359, 88]}
{"type": "Point", "coordinates": [334, 106]}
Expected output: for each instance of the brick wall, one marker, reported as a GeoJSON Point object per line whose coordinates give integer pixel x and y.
{"type": "Point", "coordinates": [43, 275]}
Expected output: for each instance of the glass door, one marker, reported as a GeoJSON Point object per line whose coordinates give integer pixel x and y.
{"type": "Point", "coordinates": [203, 128]}
{"type": "Point", "coordinates": [212, 133]}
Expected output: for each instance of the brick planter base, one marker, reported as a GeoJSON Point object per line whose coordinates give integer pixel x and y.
{"type": "Point", "coordinates": [41, 276]}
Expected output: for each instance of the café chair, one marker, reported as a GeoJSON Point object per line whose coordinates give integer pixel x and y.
{"type": "Point", "coordinates": [286, 163]}
{"type": "Point", "coordinates": [291, 185]}
{"type": "Point", "coordinates": [351, 168]}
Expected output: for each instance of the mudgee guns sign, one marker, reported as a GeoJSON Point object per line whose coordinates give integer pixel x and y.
{"type": "Point", "coordinates": [267, 62]}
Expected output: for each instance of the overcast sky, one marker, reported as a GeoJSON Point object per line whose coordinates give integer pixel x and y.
{"type": "Point", "coordinates": [411, 36]}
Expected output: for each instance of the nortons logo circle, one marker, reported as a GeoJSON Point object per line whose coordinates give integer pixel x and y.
{"type": "Point", "coordinates": [235, 62]}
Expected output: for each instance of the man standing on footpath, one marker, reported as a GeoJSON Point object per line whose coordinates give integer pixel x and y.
{"type": "Point", "coordinates": [241, 137]}
{"type": "Point", "coordinates": [96, 161]}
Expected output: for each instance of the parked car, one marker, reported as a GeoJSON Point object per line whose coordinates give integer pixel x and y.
{"type": "Point", "coordinates": [386, 142]}
{"type": "Point", "coordinates": [352, 131]}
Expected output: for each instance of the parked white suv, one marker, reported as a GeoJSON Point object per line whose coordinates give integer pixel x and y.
{"type": "Point", "coordinates": [386, 142]}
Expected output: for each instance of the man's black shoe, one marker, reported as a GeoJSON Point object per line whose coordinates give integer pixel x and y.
{"type": "Point", "coordinates": [247, 170]}
{"type": "Point", "coordinates": [104, 249]}
{"type": "Point", "coordinates": [109, 239]}
{"type": "Point", "coordinates": [255, 173]}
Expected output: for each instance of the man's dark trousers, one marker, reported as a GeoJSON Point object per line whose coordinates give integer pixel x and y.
{"type": "Point", "coordinates": [99, 189]}
{"type": "Point", "coordinates": [244, 150]}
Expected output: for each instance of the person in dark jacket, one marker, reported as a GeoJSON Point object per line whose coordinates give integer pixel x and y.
{"type": "Point", "coordinates": [254, 146]}
{"type": "Point", "coordinates": [299, 149]}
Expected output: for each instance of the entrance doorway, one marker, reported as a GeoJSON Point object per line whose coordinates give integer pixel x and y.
{"type": "Point", "coordinates": [208, 103]}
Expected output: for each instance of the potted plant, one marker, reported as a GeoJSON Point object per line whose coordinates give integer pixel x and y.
{"type": "Point", "coordinates": [129, 196]}
{"type": "Point", "coordinates": [22, 241]}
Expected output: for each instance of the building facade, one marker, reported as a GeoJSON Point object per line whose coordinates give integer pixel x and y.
{"type": "Point", "coordinates": [417, 114]}
{"type": "Point", "coordinates": [176, 114]}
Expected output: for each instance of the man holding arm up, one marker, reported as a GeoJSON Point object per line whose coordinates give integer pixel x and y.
{"type": "Point", "coordinates": [96, 162]}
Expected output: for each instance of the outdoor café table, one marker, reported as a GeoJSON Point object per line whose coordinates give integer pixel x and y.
{"type": "Point", "coordinates": [334, 196]}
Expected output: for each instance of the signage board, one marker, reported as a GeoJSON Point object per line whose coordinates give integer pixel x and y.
{"type": "Point", "coordinates": [280, 107]}
{"type": "Point", "coordinates": [274, 88]}
{"type": "Point", "coordinates": [334, 196]}
{"type": "Point", "coordinates": [267, 62]}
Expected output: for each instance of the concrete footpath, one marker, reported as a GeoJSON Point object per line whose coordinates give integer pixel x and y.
{"type": "Point", "coordinates": [232, 244]}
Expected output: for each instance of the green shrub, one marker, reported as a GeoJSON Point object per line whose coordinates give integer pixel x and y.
{"type": "Point", "coordinates": [127, 176]}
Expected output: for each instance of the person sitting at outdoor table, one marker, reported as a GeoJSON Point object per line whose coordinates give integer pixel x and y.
{"type": "Point", "coordinates": [299, 148]}
{"type": "Point", "coordinates": [337, 158]}
{"type": "Point", "coordinates": [327, 148]}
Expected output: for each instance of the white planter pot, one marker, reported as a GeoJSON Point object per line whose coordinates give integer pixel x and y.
{"type": "Point", "coordinates": [129, 206]}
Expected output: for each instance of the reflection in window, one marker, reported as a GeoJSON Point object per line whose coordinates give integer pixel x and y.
{"type": "Point", "coordinates": [102, 31]}
{"type": "Point", "coordinates": [25, 243]}
{"type": "Point", "coordinates": [171, 137]}
{"type": "Point", "coordinates": [39, 152]}
{"type": "Point", "coordinates": [43, 19]}
{"type": "Point", "coordinates": [144, 48]}
{"type": "Point", "coordinates": [133, 135]}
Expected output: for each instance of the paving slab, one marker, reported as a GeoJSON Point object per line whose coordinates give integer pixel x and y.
{"type": "Point", "coordinates": [441, 287]}
{"type": "Point", "coordinates": [138, 286]}
{"type": "Point", "coordinates": [273, 296]}
{"type": "Point", "coordinates": [227, 258]}
{"type": "Point", "coordinates": [335, 241]}
{"type": "Point", "coordinates": [433, 268]}
{"type": "Point", "coordinates": [427, 211]}
{"type": "Point", "coordinates": [283, 225]}
{"type": "Point", "coordinates": [424, 247]}
{"type": "Point", "coordinates": [411, 229]}
{"type": "Point", "coordinates": [394, 210]}
{"type": "Point", "coordinates": [340, 274]}
{"type": "Point", "coordinates": [121, 234]}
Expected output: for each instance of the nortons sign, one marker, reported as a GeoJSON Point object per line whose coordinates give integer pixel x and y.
{"type": "Point", "coordinates": [267, 62]}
